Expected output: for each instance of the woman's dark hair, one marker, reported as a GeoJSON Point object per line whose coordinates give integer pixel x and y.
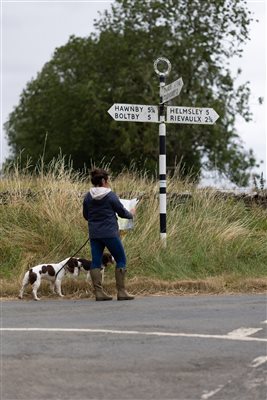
{"type": "Point", "coordinates": [97, 175]}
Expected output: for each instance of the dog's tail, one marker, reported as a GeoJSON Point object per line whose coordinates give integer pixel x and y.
{"type": "Point", "coordinates": [32, 276]}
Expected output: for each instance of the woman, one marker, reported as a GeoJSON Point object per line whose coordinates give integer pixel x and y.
{"type": "Point", "coordinates": [100, 206]}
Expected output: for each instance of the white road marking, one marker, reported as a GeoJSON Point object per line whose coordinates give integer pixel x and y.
{"type": "Point", "coordinates": [258, 361]}
{"type": "Point", "coordinates": [111, 331]}
{"type": "Point", "coordinates": [243, 332]}
{"type": "Point", "coordinates": [207, 395]}
{"type": "Point", "coordinates": [264, 322]}
{"type": "Point", "coordinates": [254, 364]}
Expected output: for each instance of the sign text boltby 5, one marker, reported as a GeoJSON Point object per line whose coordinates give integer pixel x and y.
{"type": "Point", "coordinates": [175, 114]}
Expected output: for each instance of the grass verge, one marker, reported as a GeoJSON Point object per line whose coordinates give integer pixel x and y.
{"type": "Point", "coordinates": [213, 245]}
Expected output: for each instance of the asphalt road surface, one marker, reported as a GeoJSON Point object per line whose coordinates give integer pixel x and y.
{"type": "Point", "coordinates": [182, 348]}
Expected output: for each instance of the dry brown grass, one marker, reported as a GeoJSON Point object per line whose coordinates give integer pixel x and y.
{"type": "Point", "coordinates": [140, 286]}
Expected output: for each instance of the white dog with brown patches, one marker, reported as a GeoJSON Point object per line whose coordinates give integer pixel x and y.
{"type": "Point", "coordinates": [54, 273]}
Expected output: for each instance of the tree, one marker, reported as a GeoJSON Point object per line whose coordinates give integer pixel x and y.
{"type": "Point", "coordinates": [69, 99]}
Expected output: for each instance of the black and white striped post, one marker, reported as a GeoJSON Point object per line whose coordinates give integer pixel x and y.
{"type": "Point", "coordinates": [162, 151]}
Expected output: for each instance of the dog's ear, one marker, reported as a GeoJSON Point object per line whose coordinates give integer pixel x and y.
{"type": "Point", "coordinates": [107, 259]}
{"type": "Point", "coordinates": [71, 264]}
{"type": "Point", "coordinates": [86, 264]}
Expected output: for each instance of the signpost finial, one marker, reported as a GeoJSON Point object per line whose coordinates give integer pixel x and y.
{"type": "Point", "coordinates": [166, 62]}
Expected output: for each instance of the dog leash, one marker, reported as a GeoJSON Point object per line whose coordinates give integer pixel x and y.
{"type": "Point", "coordinates": [72, 256]}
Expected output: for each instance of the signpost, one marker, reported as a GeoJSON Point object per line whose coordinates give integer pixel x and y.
{"type": "Point", "coordinates": [176, 115]}
{"type": "Point", "coordinates": [162, 147]}
{"type": "Point", "coordinates": [134, 112]}
{"type": "Point", "coordinates": [172, 90]}
{"type": "Point", "coordinates": [191, 115]}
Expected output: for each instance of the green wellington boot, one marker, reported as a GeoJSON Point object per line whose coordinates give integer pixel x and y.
{"type": "Point", "coordinates": [96, 277]}
{"type": "Point", "coordinates": [120, 285]}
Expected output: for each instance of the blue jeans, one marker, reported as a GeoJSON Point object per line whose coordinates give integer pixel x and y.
{"type": "Point", "coordinates": [115, 247]}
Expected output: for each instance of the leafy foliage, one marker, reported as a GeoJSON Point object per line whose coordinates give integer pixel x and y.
{"type": "Point", "coordinates": [65, 107]}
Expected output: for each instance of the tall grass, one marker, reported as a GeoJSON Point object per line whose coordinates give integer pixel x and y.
{"type": "Point", "coordinates": [219, 243]}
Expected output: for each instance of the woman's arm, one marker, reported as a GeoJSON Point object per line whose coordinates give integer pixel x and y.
{"type": "Point", "coordinates": [85, 209]}
{"type": "Point", "coordinates": [119, 208]}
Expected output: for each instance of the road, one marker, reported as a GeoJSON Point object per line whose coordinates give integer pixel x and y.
{"type": "Point", "coordinates": [182, 348]}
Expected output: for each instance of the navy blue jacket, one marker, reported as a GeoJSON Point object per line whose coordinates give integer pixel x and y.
{"type": "Point", "coordinates": [101, 215]}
